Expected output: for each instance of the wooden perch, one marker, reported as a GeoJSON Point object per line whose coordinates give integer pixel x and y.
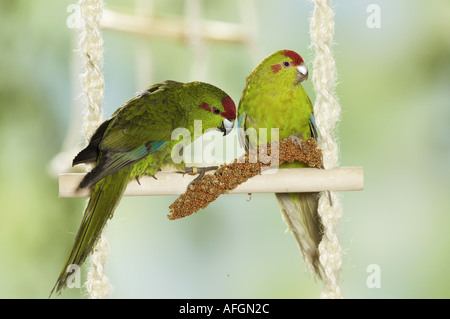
{"type": "Point", "coordinates": [285, 180]}
{"type": "Point", "coordinates": [172, 28]}
{"type": "Point", "coordinates": [252, 173]}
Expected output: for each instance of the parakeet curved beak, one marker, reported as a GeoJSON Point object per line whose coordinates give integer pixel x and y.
{"type": "Point", "coordinates": [302, 72]}
{"type": "Point", "coordinates": [227, 126]}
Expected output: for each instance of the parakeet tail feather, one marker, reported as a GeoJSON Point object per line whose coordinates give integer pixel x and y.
{"type": "Point", "coordinates": [299, 211]}
{"type": "Point", "coordinates": [105, 196]}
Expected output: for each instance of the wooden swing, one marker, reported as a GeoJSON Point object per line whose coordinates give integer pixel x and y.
{"type": "Point", "coordinates": [326, 109]}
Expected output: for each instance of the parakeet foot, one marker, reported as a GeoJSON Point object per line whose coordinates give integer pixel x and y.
{"type": "Point", "coordinates": [189, 170]}
{"type": "Point", "coordinates": [296, 139]}
{"type": "Point", "coordinates": [197, 170]}
{"type": "Point", "coordinates": [139, 182]}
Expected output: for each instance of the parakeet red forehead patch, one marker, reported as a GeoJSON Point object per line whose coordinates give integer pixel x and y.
{"type": "Point", "coordinates": [228, 105]}
{"type": "Point", "coordinates": [295, 57]}
{"type": "Point", "coordinates": [230, 108]}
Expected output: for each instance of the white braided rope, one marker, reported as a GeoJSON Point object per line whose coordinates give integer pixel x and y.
{"type": "Point", "coordinates": [91, 49]}
{"type": "Point", "coordinates": [327, 112]}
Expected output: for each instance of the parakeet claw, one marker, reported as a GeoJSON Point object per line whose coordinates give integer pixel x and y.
{"type": "Point", "coordinates": [197, 170]}
{"type": "Point", "coordinates": [296, 139]}
{"type": "Point", "coordinates": [139, 182]}
{"type": "Point", "coordinates": [188, 170]}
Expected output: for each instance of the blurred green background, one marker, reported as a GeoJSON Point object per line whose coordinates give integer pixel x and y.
{"type": "Point", "coordinates": [394, 89]}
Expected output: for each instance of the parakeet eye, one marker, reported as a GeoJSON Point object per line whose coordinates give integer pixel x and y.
{"type": "Point", "coordinates": [286, 64]}
{"type": "Point", "coordinates": [216, 110]}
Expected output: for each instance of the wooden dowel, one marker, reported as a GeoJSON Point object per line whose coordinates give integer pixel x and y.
{"type": "Point", "coordinates": [270, 181]}
{"type": "Point", "coordinates": [172, 28]}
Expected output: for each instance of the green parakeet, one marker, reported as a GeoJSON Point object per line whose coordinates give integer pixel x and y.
{"type": "Point", "coordinates": [274, 98]}
{"type": "Point", "coordinates": [136, 140]}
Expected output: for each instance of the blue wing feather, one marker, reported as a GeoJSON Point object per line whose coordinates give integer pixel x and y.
{"type": "Point", "coordinates": [155, 146]}
{"type": "Point", "coordinates": [111, 163]}
{"type": "Point", "coordinates": [241, 130]}
{"type": "Point", "coordinates": [313, 127]}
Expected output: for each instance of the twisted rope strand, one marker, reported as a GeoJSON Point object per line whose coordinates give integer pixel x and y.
{"type": "Point", "coordinates": [327, 112]}
{"type": "Point", "coordinates": [91, 49]}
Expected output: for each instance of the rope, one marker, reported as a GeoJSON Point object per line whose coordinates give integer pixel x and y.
{"type": "Point", "coordinates": [91, 49]}
{"type": "Point", "coordinates": [327, 112]}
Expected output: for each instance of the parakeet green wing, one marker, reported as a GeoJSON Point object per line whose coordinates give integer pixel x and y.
{"type": "Point", "coordinates": [136, 130]}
